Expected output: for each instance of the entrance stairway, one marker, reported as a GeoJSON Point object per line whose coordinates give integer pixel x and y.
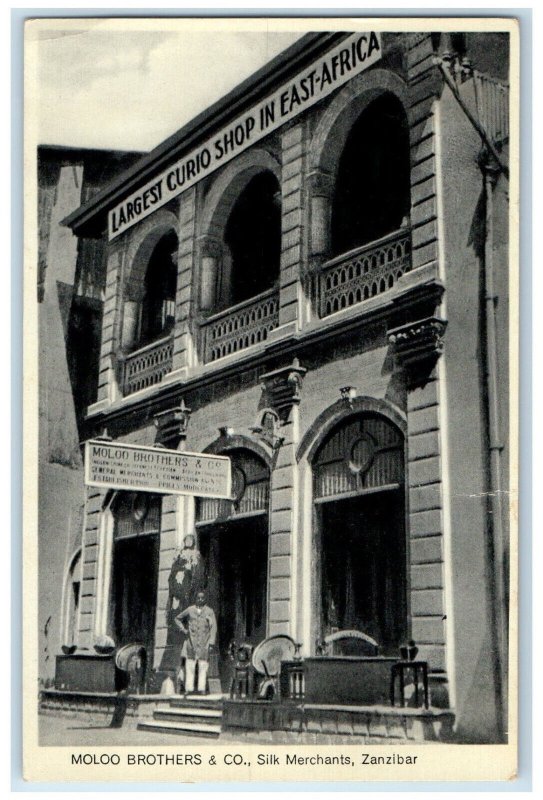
{"type": "Point", "coordinates": [196, 716]}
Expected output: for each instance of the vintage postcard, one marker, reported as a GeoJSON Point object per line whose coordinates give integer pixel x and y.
{"type": "Point", "coordinates": [271, 421]}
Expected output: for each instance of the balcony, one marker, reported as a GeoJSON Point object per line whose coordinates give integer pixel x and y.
{"type": "Point", "coordinates": [492, 103]}
{"type": "Point", "coordinates": [363, 273]}
{"type": "Point", "coordinates": [147, 366]}
{"type": "Point", "coordinates": [241, 326]}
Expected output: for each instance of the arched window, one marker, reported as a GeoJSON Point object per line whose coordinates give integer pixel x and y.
{"type": "Point", "coordinates": [157, 311]}
{"type": "Point", "coordinates": [252, 242]}
{"type": "Point", "coordinates": [372, 185]}
{"type": "Point", "coordinates": [358, 490]}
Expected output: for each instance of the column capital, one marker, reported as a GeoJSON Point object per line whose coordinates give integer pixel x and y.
{"type": "Point", "coordinates": [172, 425]}
{"type": "Point", "coordinates": [321, 184]}
{"type": "Point", "coordinates": [283, 388]}
{"type": "Point", "coordinates": [418, 343]}
{"type": "Point", "coordinates": [210, 246]}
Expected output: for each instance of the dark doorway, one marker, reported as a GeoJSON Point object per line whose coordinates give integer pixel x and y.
{"type": "Point", "coordinates": [134, 590]}
{"type": "Point", "coordinates": [363, 567]}
{"type": "Point", "coordinates": [253, 236]}
{"type": "Point", "coordinates": [158, 304]}
{"type": "Point", "coordinates": [236, 563]}
{"type": "Point", "coordinates": [372, 188]}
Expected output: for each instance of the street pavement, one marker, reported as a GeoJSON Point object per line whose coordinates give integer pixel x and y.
{"type": "Point", "coordinates": [80, 731]}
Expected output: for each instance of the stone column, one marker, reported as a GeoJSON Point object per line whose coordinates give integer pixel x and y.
{"type": "Point", "coordinates": [108, 389]}
{"type": "Point", "coordinates": [321, 186]}
{"type": "Point", "coordinates": [184, 300]}
{"type": "Point", "coordinates": [425, 84]}
{"type": "Point", "coordinates": [131, 318]}
{"type": "Point", "coordinates": [210, 254]}
{"type": "Point", "coordinates": [282, 390]}
{"type": "Point", "coordinates": [171, 426]}
{"type": "Point", "coordinates": [92, 574]}
{"type": "Point", "coordinates": [293, 226]}
{"type": "Point", "coordinates": [417, 347]}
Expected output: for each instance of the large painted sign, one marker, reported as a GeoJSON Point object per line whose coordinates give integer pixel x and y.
{"type": "Point", "coordinates": [355, 54]}
{"type": "Point", "coordinates": [116, 465]}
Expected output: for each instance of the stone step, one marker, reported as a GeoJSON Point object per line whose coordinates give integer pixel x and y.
{"type": "Point", "coordinates": [184, 728]}
{"type": "Point", "coordinates": [189, 714]}
{"type": "Point", "coordinates": [203, 701]}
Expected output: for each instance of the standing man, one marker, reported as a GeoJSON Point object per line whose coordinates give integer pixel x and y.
{"type": "Point", "coordinates": [198, 623]}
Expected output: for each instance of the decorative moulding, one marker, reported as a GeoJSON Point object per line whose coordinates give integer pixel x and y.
{"type": "Point", "coordinates": [172, 425]}
{"type": "Point", "coordinates": [418, 342]}
{"type": "Point", "coordinates": [266, 428]}
{"type": "Point", "coordinates": [282, 388]}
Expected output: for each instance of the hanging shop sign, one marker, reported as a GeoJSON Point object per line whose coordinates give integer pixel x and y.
{"type": "Point", "coordinates": [115, 465]}
{"type": "Point", "coordinates": [355, 54]}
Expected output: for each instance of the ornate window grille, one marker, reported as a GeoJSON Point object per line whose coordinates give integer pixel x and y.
{"type": "Point", "coordinates": [250, 491]}
{"type": "Point", "coordinates": [363, 455]}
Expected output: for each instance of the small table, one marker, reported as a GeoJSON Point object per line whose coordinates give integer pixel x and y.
{"type": "Point", "coordinates": [400, 670]}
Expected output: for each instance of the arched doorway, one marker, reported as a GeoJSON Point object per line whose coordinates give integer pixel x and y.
{"type": "Point", "coordinates": [134, 576]}
{"type": "Point", "coordinates": [359, 498]}
{"type": "Point", "coordinates": [233, 541]}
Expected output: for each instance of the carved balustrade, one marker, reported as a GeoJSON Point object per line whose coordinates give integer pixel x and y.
{"type": "Point", "coordinates": [363, 273]}
{"type": "Point", "coordinates": [292, 680]}
{"type": "Point", "coordinates": [147, 366]}
{"type": "Point", "coordinates": [241, 326]}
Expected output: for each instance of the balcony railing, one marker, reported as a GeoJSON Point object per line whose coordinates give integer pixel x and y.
{"type": "Point", "coordinates": [363, 273]}
{"type": "Point", "coordinates": [492, 98]}
{"type": "Point", "coordinates": [147, 366]}
{"type": "Point", "coordinates": [241, 326]}
{"type": "Point", "coordinates": [292, 680]}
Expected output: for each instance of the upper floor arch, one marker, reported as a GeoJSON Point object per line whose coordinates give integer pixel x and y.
{"type": "Point", "coordinates": [360, 165]}
{"type": "Point", "coordinates": [228, 185]}
{"type": "Point", "coordinates": [240, 232]}
{"type": "Point", "coordinates": [334, 125]}
{"type": "Point", "coordinates": [150, 282]}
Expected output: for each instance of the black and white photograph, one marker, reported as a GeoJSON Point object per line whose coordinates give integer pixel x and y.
{"type": "Point", "coordinates": [271, 335]}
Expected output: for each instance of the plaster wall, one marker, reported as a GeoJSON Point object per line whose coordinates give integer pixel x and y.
{"type": "Point", "coordinates": [60, 523]}
{"type": "Point", "coordinates": [60, 475]}
{"type": "Point", "coordinates": [463, 232]}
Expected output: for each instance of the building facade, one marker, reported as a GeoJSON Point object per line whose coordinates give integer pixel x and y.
{"type": "Point", "coordinates": [328, 306]}
{"type": "Point", "coordinates": [71, 282]}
